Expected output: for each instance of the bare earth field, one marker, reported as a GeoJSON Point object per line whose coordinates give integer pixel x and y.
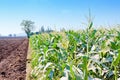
{"type": "Point", "coordinates": [13, 54]}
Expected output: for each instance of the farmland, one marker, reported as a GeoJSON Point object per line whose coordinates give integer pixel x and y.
{"type": "Point", "coordinates": [13, 53]}
{"type": "Point", "coordinates": [90, 54]}
{"type": "Point", "coordinates": [59, 39]}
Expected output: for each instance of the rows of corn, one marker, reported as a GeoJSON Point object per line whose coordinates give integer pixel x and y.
{"type": "Point", "coordinates": [91, 54]}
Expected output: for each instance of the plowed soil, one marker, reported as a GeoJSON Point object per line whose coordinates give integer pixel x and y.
{"type": "Point", "coordinates": [13, 54]}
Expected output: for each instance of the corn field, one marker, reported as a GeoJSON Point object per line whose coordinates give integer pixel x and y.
{"type": "Point", "coordinates": [91, 54]}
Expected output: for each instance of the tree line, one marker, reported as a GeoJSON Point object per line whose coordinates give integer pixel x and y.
{"type": "Point", "coordinates": [28, 27]}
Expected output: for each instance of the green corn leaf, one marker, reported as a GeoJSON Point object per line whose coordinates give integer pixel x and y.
{"type": "Point", "coordinates": [91, 24]}
{"type": "Point", "coordinates": [85, 64]}
{"type": "Point", "coordinates": [116, 60]}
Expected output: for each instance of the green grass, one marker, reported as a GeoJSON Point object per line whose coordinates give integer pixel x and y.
{"type": "Point", "coordinates": [76, 55]}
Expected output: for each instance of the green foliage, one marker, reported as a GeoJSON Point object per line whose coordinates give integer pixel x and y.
{"type": "Point", "coordinates": [28, 26]}
{"type": "Point", "coordinates": [87, 55]}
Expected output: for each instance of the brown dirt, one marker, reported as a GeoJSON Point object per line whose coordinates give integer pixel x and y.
{"type": "Point", "coordinates": [13, 54]}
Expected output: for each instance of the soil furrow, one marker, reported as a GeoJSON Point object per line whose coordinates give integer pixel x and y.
{"type": "Point", "coordinates": [13, 66]}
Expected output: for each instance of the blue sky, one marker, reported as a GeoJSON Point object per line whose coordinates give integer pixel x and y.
{"type": "Point", "coordinates": [69, 14]}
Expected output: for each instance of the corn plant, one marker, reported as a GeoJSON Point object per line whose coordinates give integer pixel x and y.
{"type": "Point", "coordinates": [91, 54]}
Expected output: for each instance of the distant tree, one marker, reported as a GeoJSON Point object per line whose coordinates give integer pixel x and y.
{"type": "Point", "coordinates": [42, 29]}
{"type": "Point", "coordinates": [49, 30]}
{"type": "Point", "coordinates": [37, 32]}
{"type": "Point", "coordinates": [62, 30]}
{"type": "Point", "coordinates": [28, 26]}
{"type": "Point", "coordinates": [14, 35]}
{"type": "Point", "coordinates": [10, 35]}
